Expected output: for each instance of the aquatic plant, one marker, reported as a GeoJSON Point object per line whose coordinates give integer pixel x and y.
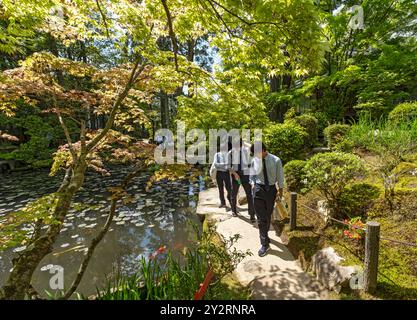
{"type": "Point", "coordinates": [178, 275]}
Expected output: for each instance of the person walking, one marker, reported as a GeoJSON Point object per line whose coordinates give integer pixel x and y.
{"type": "Point", "coordinates": [266, 175]}
{"type": "Point", "coordinates": [239, 158]}
{"type": "Point", "coordinates": [221, 166]}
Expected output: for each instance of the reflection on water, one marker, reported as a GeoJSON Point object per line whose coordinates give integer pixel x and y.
{"type": "Point", "coordinates": [160, 216]}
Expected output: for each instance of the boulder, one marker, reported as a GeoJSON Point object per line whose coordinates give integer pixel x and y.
{"type": "Point", "coordinates": [327, 268]}
{"type": "Point", "coordinates": [323, 210]}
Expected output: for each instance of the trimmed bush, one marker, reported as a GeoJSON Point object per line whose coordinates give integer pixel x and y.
{"type": "Point", "coordinates": [322, 120]}
{"type": "Point", "coordinates": [335, 133]}
{"type": "Point", "coordinates": [295, 175]}
{"type": "Point", "coordinates": [356, 199]}
{"type": "Point", "coordinates": [310, 125]}
{"type": "Point", "coordinates": [290, 114]}
{"type": "Point", "coordinates": [329, 173]}
{"type": "Point", "coordinates": [286, 140]}
{"type": "Point", "coordinates": [404, 112]}
{"type": "Point", "coordinates": [345, 145]}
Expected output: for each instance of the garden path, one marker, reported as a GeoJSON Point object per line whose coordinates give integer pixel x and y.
{"type": "Point", "coordinates": [275, 276]}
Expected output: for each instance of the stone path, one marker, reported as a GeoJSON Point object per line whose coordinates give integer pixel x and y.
{"type": "Point", "coordinates": [275, 276]}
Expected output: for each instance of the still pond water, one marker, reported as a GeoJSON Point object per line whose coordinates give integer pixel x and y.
{"type": "Point", "coordinates": [163, 215]}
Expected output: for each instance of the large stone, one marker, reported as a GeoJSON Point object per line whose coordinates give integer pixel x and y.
{"type": "Point", "coordinates": [326, 266]}
{"type": "Point", "coordinates": [323, 210]}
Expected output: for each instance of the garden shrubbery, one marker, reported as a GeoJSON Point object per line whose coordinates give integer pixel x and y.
{"type": "Point", "coordinates": [335, 133]}
{"type": "Point", "coordinates": [329, 173]}
{"type": "Point", "coordinates": [295, 175]}
{"type": "Point", "coordinates": [404, 112]}
{"type": "Point", "coordinates": [286, 140]}
{"type": "Point", "coordinates": [345, 145]}
{"type": "Point", "coordinates": [310, 125]}
{"type": "Point", "coordinates": [355, 199]}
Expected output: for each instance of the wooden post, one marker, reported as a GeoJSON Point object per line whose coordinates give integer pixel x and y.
{"type": "Point", "coordinates": [371, 256]}
{"type": "Point", "coordinates": [293, 209]}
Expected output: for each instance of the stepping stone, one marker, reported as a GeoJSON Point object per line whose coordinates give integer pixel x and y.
{"type": "Point", "coordinates": [47, 267]}
{"type": "Point", "coordinates": [19, 249]}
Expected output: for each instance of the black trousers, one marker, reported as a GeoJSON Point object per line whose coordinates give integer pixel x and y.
{"type": "Point", "coordinates": [264, 200]}
{"type": "Point", "coordinates": [248, 190]}
{"type": "Point", "coordinates": [223, 180]}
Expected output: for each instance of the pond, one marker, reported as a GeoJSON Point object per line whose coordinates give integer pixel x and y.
{"type": "Point", "coordinates": [163, 215]}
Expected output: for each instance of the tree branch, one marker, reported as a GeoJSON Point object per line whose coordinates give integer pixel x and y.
{"type": "Point", "coordinates": [102, 233]}
{"type": "Point", "coordinates": [248, 23]}
{"type": "Point", "coordinates": [229, 31]}
{"type": "Point", "coordinates": [103, 16]}
{"type": "Point", "coordinates": [68, 137]}
{"type": "Point", "coordinates": [136, 71]}
{"type": "Point", "coordinates": [83, 136]}
{"type": "Point", "coordinates": [171, 33]}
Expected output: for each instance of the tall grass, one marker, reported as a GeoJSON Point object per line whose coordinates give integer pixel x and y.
{"type": "Point", "coordinates": [170, 277]}
{"type": "Point", "coordinates": [384, 135]}
{"type": "Point", "coordinates": [392, 142]}
{"type": "Point", "coordinates": [177, 275]}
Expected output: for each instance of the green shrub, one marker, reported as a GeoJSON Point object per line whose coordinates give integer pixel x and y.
{"type": "Point", "coordinates": [286, 140]}
{"type": "Point", "coordinates": [355, 199]}
{"type": "Point", "coordinates": [295, 175]}
{"type": "Point", "coordinates": [404, 112]}
{"type": "Point", "coordinates": [335, 133]}
{"type": "Point", "coordinates": [345, 145]}
{"type": "Point", "coordinates": [322, 120]}
{"type": "Point", "coordinates": [329, 173]}
{"type": "Point", "coordinates": [310, 125]}
{"type": "Point", "coordinates": [290, 114]}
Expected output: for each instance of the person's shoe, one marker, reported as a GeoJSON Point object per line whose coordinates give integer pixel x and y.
{"type": "Point", "coordinates": [263, 250]}
{"type": "Point", "coordinates": [234, 214]}
{"type": "Point", "coordinates": [222, 205]}
{"type": "Point", "coordinates": [252, 219]}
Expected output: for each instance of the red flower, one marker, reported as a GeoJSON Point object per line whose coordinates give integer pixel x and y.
{"type": "Point", "coordinates": [161, 249]}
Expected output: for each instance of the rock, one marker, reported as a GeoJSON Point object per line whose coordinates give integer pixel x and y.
{"type": "Point", "coordinates": [325, 264]}
{"type": "Point", "coordinates": [323, 210]}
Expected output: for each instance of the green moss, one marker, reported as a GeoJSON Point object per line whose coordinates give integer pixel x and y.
{"type": "Point", "coordinates": [407, 182]}
{"type": "Point", "coordinates": [230, 288]}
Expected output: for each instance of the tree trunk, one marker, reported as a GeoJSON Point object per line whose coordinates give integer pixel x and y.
{"type": "Point", "coordinates": [274, 84]}
{"type": "Point", "coordinates": [164, 110]}
{"type": "Point", "coordinates": [19, 281]}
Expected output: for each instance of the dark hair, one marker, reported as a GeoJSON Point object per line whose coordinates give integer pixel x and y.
{"type": "Point", "coordinates": [230, 142]}
{"type": "Point", "coordinates": [220, 143]}
{"type": "Point", "coordinates": [252, 147]}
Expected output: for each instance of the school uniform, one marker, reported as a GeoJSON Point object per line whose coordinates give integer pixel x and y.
{"type": "Point", "coordinates": [266, 173]}
{"type": "Point", "coordinates": [221, 164]}
{"type": "Point", "coordinates": [240, 163]}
